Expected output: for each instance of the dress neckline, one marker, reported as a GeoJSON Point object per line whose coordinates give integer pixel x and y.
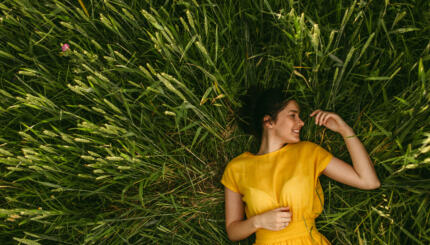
{"type": "Point", "coordinates": [270, 153]}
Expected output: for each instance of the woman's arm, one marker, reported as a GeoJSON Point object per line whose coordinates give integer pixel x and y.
{"type": "Point", "coordinates": [237, 228]}
{"type": "Point", "coordinates": [362, 174]}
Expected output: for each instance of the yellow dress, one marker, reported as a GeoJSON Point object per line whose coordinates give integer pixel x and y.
{"type": "Point", "coordinates": [286, 177]}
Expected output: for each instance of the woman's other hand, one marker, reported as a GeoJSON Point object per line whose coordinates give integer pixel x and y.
{"type": "Point", "coordinates": [331, 121]}
{"type": "Point", "coordinates": [274, 220]}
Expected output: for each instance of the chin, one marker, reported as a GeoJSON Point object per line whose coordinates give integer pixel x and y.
{"type": "Point", "coordinates": [293, 141]}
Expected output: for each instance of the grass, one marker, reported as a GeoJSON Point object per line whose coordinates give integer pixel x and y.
{"type": "Point", "coordinates": [123, 138]}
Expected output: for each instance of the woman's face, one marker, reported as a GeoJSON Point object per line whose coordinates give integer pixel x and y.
{"type": "Point", "coordinates": [288, 124]}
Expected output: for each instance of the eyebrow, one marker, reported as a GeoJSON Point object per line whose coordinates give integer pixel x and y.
{"type": "Point", "coordinates": [294, 111]}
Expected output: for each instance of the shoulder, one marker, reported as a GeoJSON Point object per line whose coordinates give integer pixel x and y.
{"type": "Point", "coordinates": [238, 161]}
{"type": "Point", "coordinates": [306, 145]}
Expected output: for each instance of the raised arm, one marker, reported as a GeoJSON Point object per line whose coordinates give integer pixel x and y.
{"type": "Point", "coordinates": [362, 174]}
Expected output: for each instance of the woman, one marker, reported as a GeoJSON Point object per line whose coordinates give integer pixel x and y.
{"type": "Point", "coordinates": [278, 187]}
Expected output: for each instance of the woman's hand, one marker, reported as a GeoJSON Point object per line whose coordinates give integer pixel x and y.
{"type": "Point", "coordinates": [274, 220]}
{"type": "Point", "coordinates": [331, 121]}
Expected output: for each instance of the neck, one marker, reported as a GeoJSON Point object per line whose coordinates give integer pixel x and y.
{"type": "Point", "coordinates": [269, 144]}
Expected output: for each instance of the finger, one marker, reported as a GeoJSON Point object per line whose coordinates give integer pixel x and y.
{"type": "Point", "coordinates": [281, 226]}
{"type": "Point", "coordinates": [286, 219]}
{"type": "Point", "coordinates": [313, 113]}
{"type": "Point", "coordinates": [316, 111]}
{"type": "Point", "coordinates": [317, 118]}
{"type": "Point", "coordinates": [283, 209]}
{"type": "Point", "coordinates": [286, 215]}
{"type": "Point", "coordinates": [326, 118]}
{"type": "Point", "coordinates": [323, 118]}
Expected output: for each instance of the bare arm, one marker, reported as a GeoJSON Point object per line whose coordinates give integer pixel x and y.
{"type": "Point", "coordinates": [237, 228]}
{"type": "Point", "coordinates": [362, 174]}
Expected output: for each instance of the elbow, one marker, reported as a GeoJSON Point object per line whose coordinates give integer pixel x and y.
{"type": "Point", "coordinates": [377, 185]}
{"type": "Point", "coordinates": [373, 185]}
{"type": "Point", "coordinates": [230, 235]}
{"type": "Point", "coordinates": [231, 238]}
{"type": "Point", "coordinates": [235, 233]}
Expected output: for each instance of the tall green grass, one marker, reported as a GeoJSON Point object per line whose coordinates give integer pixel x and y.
{"type": "Point", "coordinates": [123, 138]}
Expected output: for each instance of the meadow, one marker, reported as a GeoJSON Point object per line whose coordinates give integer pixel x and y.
{"type": "Point", "coordinates": [117, 118]}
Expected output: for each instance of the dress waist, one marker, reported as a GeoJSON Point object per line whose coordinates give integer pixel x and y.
{"type": "Point", "coordinates": [300, 228]}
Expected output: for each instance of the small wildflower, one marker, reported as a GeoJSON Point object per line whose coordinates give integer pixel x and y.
{"type": "Point", "coordinates": [65, 47]}
{"type": "Point", "coordinates": [169, 113]}
{"type": "Point", "coordinates": [114, 158]}
{"type": "Point", "coordinates": [10, 219]}
{"type": "Point", "coordinates": [14, 216]}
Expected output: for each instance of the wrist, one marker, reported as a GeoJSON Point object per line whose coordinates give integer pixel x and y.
{"type": "Point", "coordinates": [347, 132]}
{"type": "Point", "coordinates": [255, 221]}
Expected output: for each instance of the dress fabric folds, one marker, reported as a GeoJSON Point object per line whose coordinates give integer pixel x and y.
{"type": "Point", "coordinates": [285, 177]}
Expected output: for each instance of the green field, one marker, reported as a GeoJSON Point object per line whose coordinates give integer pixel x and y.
{"type": "Point", "coordinates": [123, 138]}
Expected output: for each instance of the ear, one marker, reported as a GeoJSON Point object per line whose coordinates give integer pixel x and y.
{"type": "Point", "coordinates": [267, 121]}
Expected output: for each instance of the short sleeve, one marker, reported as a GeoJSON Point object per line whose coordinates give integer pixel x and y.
{"type": "Point", "coordinates": [323, 157]}
{"type": "Point", "coordinates": [229, 178]}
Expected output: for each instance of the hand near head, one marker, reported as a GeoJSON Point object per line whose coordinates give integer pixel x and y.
{"type": "Point", "coordinates": [274, 220]}
{"type": "Point", "coordinates": [331, 121]}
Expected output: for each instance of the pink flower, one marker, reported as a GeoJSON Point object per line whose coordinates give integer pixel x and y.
{"type": "Point", "coordinates": [65, 47]}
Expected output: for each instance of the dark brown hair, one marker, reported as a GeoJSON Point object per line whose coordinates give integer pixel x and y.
{"type": "Point", "coordinates": [258, 102]}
